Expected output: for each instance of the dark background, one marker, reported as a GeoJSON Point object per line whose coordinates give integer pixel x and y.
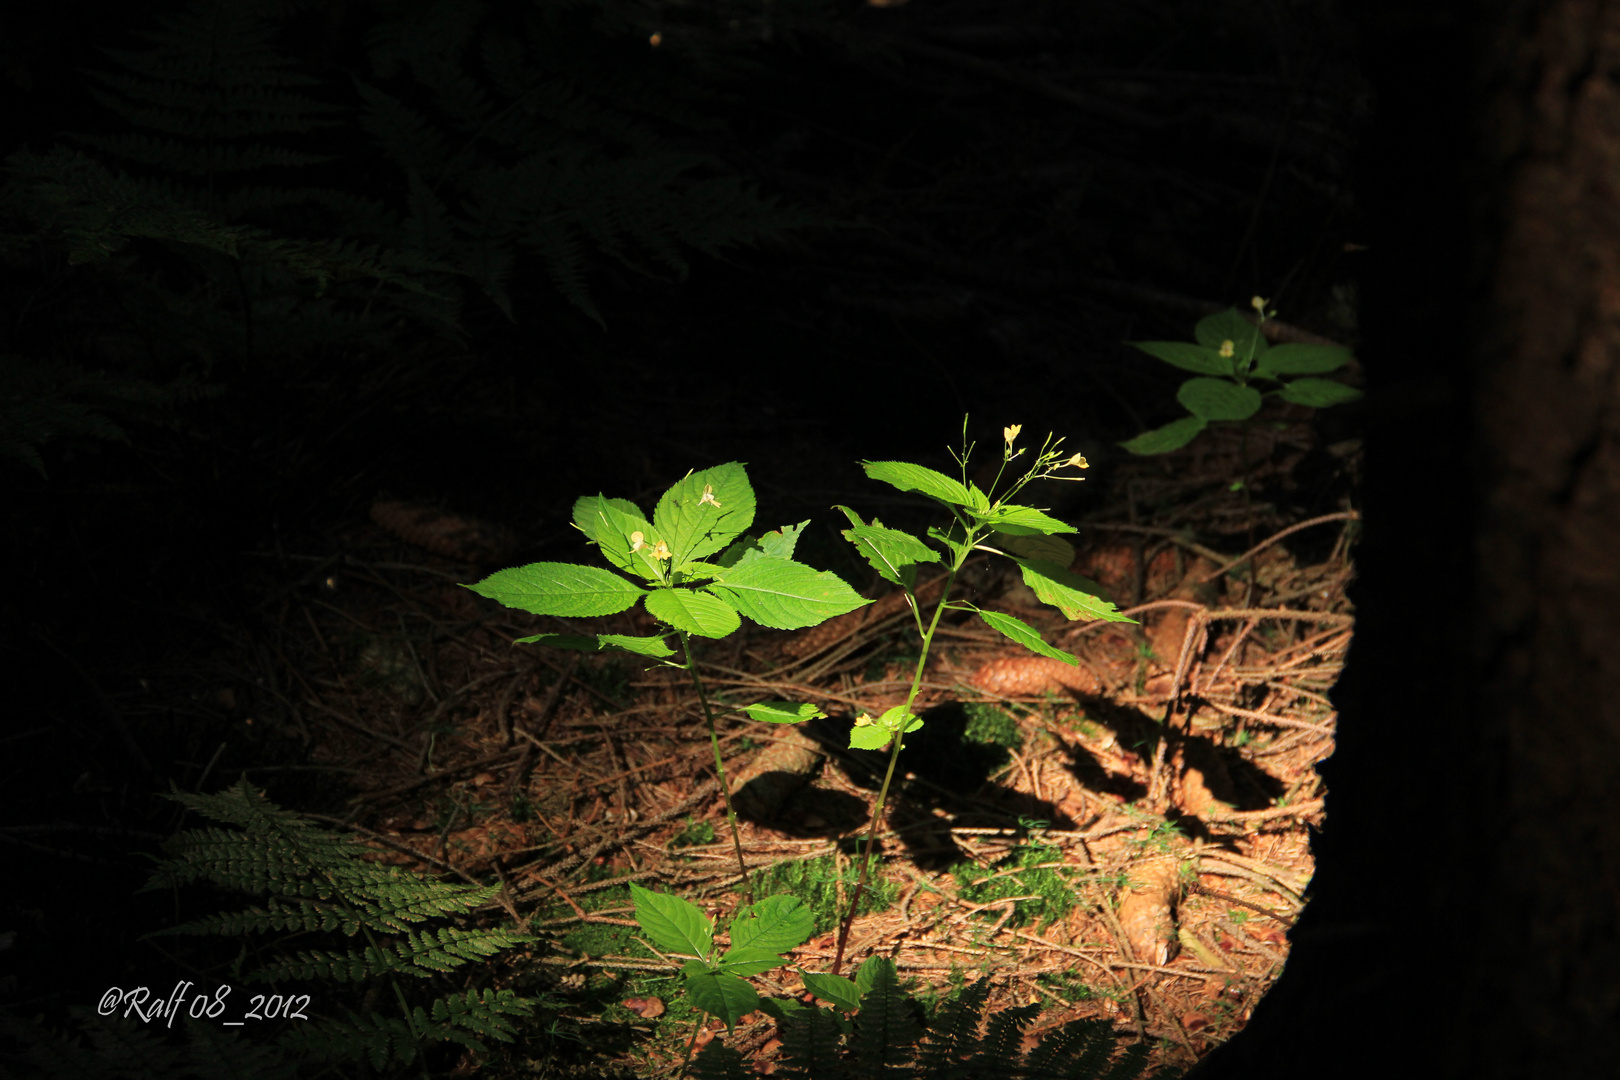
{"type": "Point", "coordinates": [962, 207]}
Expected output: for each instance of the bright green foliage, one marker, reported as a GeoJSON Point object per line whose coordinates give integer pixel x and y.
{"type": "Point", "coordinates": [979, 522]}
{"type": "Point", "coordinates": [1231, 352]}
{"type": "Point", "coordinates": [312, 881]}
{"type": "Point", "coordinates": [715, 983]}
{"type": "Point", "coordinates": [782, 712]}
{"type": "Point", "coordinates": [884, 1039]}
{"type": "Point", "coordinates": [875, 734]}
{"type": "Point", "coordinates": [703, 514]}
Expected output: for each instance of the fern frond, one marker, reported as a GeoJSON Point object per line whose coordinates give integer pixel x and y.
{"type": "Point", "coordinates": [112, 1048]}
{"type": "Point", "coordinates": [717, 1061]}
{"type": "Point", "coordinates": [953, 1034]}
{"type": "Point", "coordinates": [811, 1041]}
{"type": "Point", "coordinates": [1131, 1064]}
{"type": "Point", "coordinates": [886, 1029]}
{"type": "Point", "coordinates": [1002, 1037]}
{"type": "Point", "coordinates": [483, 1013]}
{"type": "Point", "coordinates": [372, 1037]}
{"type": "Point", "coordinates": [1079, 1049]}
{"type": "Point", "coordinates": [42, 402]}
{"type": "Point", "coordinates": [450, 947]}
{"type": "Point", "coordinates": [205, 98]}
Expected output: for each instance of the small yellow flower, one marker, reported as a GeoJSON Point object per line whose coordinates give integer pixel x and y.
{"type": "Point", "coordinates": [864, 720]}
{"type": "Point", "coordinates": [661, 551]}
{"type": "Point", "coordinates": [708, 497]}
{"type": "Point", "coordinates": [1228, 348]}
{"type": "Point", "coordinates": [1258, 304]}
{"type": "Point", "coordinates": [637, 540]}
{"type": "Point", "coordinates": [1078, 462]}
{"type": "Point", "coordinates": [1011, 433]}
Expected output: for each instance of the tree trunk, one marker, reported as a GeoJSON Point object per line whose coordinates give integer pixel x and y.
{"type": "Point", "coordinates": [1465, 918]}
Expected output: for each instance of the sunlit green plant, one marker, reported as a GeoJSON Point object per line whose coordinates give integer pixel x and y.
{"type": "Point", "coordinates": [1229, 356]}
{"type": "Point", "coordinates": [988, 521]}
{"type": "Point", "coordinates": [697, 572]}
{"type": "Point", "coordinates": [715, 982]}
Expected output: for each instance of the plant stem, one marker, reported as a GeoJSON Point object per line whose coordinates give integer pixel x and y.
{"type": "Point", "coordinates": [719, 768]}
{"type": "Point", "coordinates": [894, 757]}
{"type": "Point", "coordinates": [687, 1058]}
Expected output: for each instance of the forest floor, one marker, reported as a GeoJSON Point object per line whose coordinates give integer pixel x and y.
{"type": "Point", "coordinates": [1125, 841]}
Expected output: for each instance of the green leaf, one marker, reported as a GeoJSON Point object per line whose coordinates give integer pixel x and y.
{"type": "Point", "coordinates": [777, 544]}
{"type": "Point", "coordinates": [875, 734]}
{"type": "Point", "coordinates": [1067, 592]}
{"type": "Point", "coordinates": [1046, 548]}
{"type": "Point", "coordinates": [643, 646]}
{"type": "Point", "coordinates": [1024, 521]}
{"type": "Point", "coordinates": [693, 611]}
{"type": "Point", "coordinates": [892, 553]}
{"type": "Point", "coordinates": [653, 646]}
{"type": "Point", "coordinates": [611, 524]}
{"type": "Point", "coordinates": [1301, 359]}
{"type": "Point", "coordinates": [782, 712]}
{"type": "Point", "coordinates": [1217, 399]}
{"type": "Point", "coordinates": [778, 923]}
{"type": "Point", "coordinates": [1173, 436]}
{"type": "Point", "coordinates": [1187, 356]}
{"type": "Point", "coordinates": [785, 595]}
{"type": "Point", "coordinates": [783, 1008]}
{"type": "Point", "coordinates": [834, 988]}
{"type": "Point", "coordinates": [704, 511]}
{"type": "Point", "coordinates": [1025, 635]}
{"type": "Point", "coordinates": [548, 588]}
{"type": "Point", "coordinates": [977, 500]}
{"type": "Point", "coordinates": [869, 737]}
{"type": "Point", "coordinates": [1228, 325]}
{"type": "Point", "coordinates": [916, 478]}
{"type": "Point", "coordinates": [954, 540]}
{"type": "Point", "coordinates": [749, 960]}
{"type": "Point", "coordinates": [1318, 393]}
{"type": "Point", "coordinates": [867, 973]}
{"type": "Point", "coordinates": [722, 995]}
{"type": "Point", "coordinates": [673, 924]}
{"type": "Point", "coordinates": [583, 642]}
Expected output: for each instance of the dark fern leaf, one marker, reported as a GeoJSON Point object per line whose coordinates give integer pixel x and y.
{"type": "Point", "coordinates": [1080, 1048]}
{"type": "Point", "coordinates": [207, 97]}
{"type": "Point", "coordinates": [886, 1029]}
{"type": "Point", "coordinates": [1132, 1063]}
{"type": "Point", "coordinates": [1002, 1037]}
{"type": "Point", "coordinates": [717, 1061]}
{"type": "Point", "coordinates": [320, 882]}
{"type": "Point", "coordinates": [354, 1037]}
{"type": "Point", "coordinates": [953, 1034]}
{"type": "Point", "coordinates": [811, 1045]}
{"type": "Point", "coordinates": [115, 1048]}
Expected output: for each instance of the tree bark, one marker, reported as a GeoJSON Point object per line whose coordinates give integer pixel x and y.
{"type": "Point", "coordinates": [1465, 917]}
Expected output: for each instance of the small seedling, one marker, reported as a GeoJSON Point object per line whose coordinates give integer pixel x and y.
{"type": "Point", "coordinates": [697, 572]}
{"type": "Point", "coordinates": [715, 982]}
{"type": "Point", "coordinates": [1230, 354]}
